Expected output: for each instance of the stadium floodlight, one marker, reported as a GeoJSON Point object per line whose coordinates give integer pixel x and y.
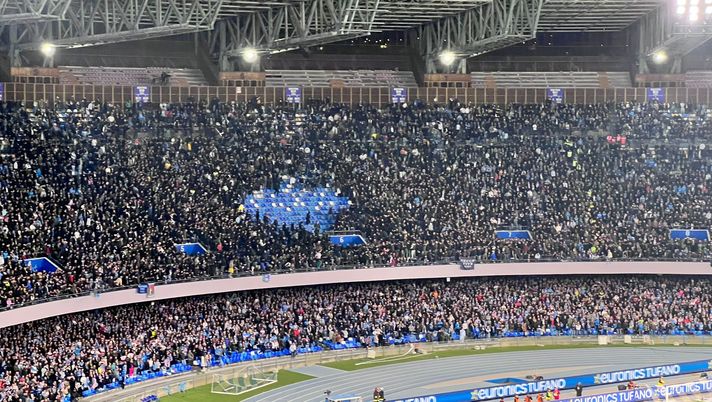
{"type": "Point", "coordinates": [660, 57]}
{"type": "Point", "coordinates": [250, 55]}
{"type": "Point", "coordinates": [693, 10]}
{"type": "Point", "coordinates": [447, 57]}
{"type": "Point", "coordinates": [47, 49]}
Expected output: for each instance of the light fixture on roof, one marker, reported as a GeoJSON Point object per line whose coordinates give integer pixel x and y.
{"type": "Point", "coordinates": [447, 57]}
{"type": "Point", "coordinates": [47, 49]}
{"type": "Point", "coordinates": [250, 55]}
{"type": "Point", "coordinates": [660, 57]}
{"type": "Point", "coordinates": [693, 10]}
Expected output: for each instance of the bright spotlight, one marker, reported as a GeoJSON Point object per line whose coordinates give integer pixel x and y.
{"type": "Point", "coordinates": [47, 49]}
{"type": "Point", "coordinates": [250, 55]}
{"type": "Point", "coordinates": [660, 57]}
{"type": "Point", "coordinates": [447, 57]}
{"type": "Point", "coordinates": [694, 10]}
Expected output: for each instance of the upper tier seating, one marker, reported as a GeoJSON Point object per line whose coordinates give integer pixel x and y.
{"type": "Point", "coordinates": [564, 79]}
{"type": "Point", "coordinates": [618, 79]}
{"type": "Point", "coordinates": [106, 192]}
{"type": "Point", "coordinates": [349, 78]}
{"type": "Point", "coordinates": [74, 75]}
{"type": "Point", "coordinates": [698, 79]}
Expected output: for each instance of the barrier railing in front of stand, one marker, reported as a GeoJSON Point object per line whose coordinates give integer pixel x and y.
{"type": "Point", "coordinates": [119, 95]}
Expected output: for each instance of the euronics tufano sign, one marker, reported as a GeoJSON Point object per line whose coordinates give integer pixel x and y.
{"type": "Point", "coordinates": [612, 377]}
{"type": "Point", "coordinates": [648, 394]}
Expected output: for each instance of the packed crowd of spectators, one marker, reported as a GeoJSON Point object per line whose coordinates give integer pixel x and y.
{"type": "Point", "coordinates": [106, 190]}
{"type": "Point", "coordinates": [51, 359]}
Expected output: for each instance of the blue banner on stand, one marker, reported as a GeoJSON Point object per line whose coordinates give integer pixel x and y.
{"type": "Point", "coordinates": [347, 240]}
{"type": "Point", "coordinates": [293, 95]}
{"type": "Point", "coordinates": [142, 94]}
{"type": "Point", "coordinates": [41, 264]}
{"type": "Point", "coordinates": [555, 94]}
{"type": "Point", "coordinates": [2, 91]}
{"type": "Point", "coordinates": [534, 387]}
{"type": "Point", "coordinates": [656, 95]}
{"type": "Point", "coordinates": [513, 234]}
{"type": "Point", "coordinates": [697, 234]}
{"type": "Point", "coordinates": [191, 248]}
{"type": "Point", "coordinates": [148, 289]}
{"type": "Point", "coordinates": [399, 95]}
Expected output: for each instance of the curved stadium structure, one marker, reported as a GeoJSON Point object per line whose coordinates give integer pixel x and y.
{"type": "Point", "coordinates": [302, 201]}
{"type": "Point", "coordinates": [254, 186]}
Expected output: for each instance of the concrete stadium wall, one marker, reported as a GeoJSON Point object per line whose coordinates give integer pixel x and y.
{"type": "Point", "coordinates": [171, 291]}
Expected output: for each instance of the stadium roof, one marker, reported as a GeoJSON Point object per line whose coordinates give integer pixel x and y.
{"type": "Point", "coordinates": [593, 15]}
{"type": "Point", "coordinates": [468, 27]}
{"type": "Point", "coordinates": [557, 15]}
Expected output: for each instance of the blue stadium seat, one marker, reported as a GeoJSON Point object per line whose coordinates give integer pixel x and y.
{"type": "Point", "coordinates": [292, 203]}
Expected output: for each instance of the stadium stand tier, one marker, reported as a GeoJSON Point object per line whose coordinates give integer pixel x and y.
{"type": "Point", "coordinates": [346, 78]}
{"type": "Point", "coordinates": [561, 79]}
{"type": "Point", "coordinates": [106, 192]}
{"type": "Point", "coordinates": [111, 76]}
{"type": "Point", "coordinates": [66, 357]}
{"type": "Point", "coordinates": [698, 79]}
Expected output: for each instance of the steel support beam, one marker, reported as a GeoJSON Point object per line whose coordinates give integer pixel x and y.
{"type": "Point", "coordinates": [24, 11]}
{"type": "Point", "coordinates": [489, 27]}
{"type": "Point", "coordinates": [291, 26]}
{"type": "Point", "coordinates": [90, 22]}
{"type": "Point", "coordinates": [662, 30]}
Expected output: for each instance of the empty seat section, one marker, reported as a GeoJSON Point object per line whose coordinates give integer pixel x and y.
{"type": "Point", "coordinates": [108, 76]}
{"type": "Point", "coordinates": [698, 79]}
{"type": "Point", "coordinates": [563, 79]}
{"type": "Point", "coordinates": [291, 205]}
{"type": "Point", "coordinates": [349, 78]}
